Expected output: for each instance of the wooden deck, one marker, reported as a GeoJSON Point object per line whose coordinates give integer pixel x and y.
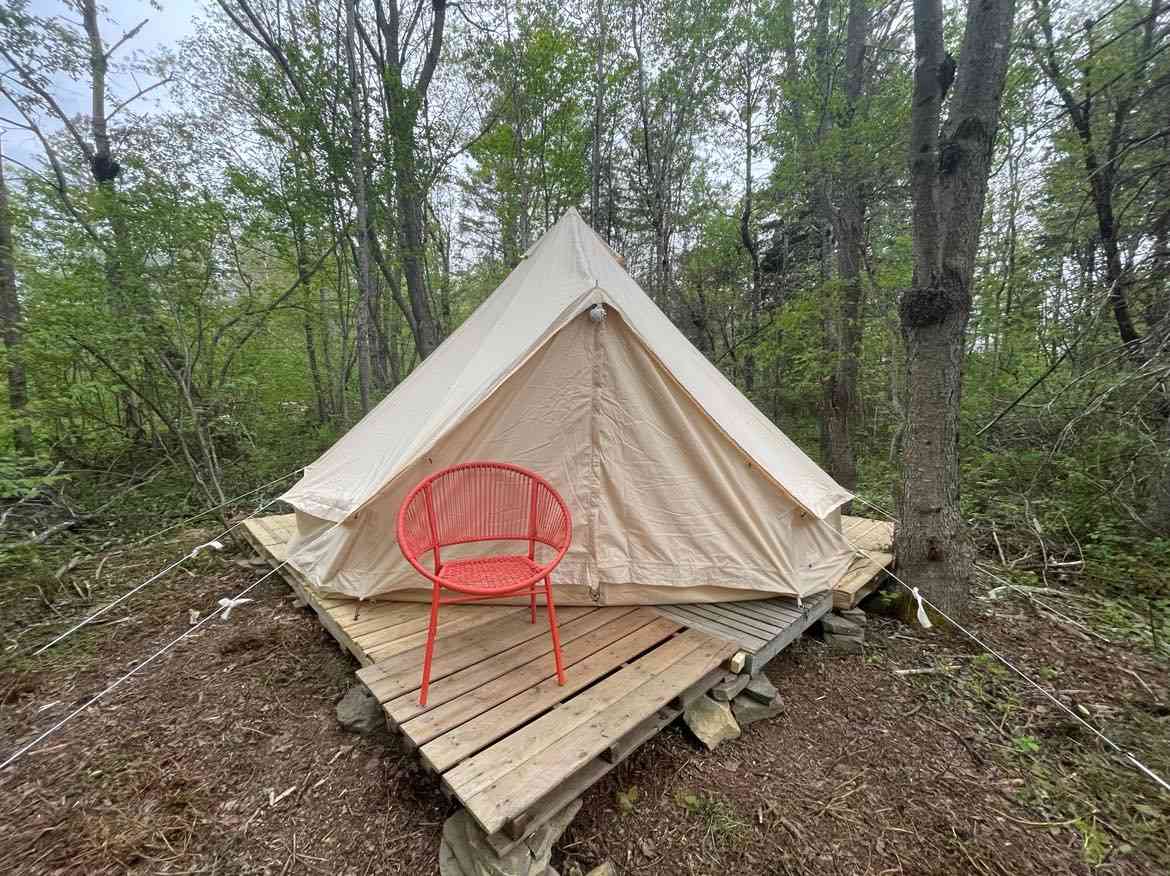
{"type": "Point", "coordinates": [761, 628]}
{"type": "Point", "coordinates": [875, 538]}
{"type": "Point", "coordinates": [505, 739]}
{"type": "Point", "coordinates": [501, 735]}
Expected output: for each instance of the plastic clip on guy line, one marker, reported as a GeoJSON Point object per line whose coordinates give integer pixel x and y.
{"type": "Point", "coordinates": [923, 619]}
{"type": "Point", "coordinates": [228, 604]}
{"type": "Point", "coordinates": [198, 549]}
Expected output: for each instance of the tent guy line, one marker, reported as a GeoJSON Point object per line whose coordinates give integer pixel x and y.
{"type": "Point", "coordinates": [194, 552]}
{"type": "Point", "coordinates": [232, 501]}
{"type": "Point", "coordinates": [220, 610]}
{"type": "Point", "coordinates": [915, 593]}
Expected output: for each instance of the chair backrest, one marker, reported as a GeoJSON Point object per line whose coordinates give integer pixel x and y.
{"type": "Point", "coordinates": [482, 501]}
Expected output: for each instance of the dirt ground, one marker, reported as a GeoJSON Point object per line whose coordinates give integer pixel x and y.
{"type": "Point", "coordinates": [224, 756]}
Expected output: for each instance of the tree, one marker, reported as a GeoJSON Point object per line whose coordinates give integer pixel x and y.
{"type": "Point", "coordinates": [404, 97]}
{"type": "Point", "coordinates": [11, 326]}
{"type": "Point", "coordinates": [673, 89]}
{"type": "Point", "coordinates": [1103, 115]}
{"type": "Point", "coordinates": [949, 168]}
{"type": "Point", "coordinates": [843, 324]}
{"type": "Point", "coordinates": [529, 166]}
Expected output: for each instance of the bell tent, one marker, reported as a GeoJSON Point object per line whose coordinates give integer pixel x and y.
{"type": "Point", "coordinates": [679, 488]}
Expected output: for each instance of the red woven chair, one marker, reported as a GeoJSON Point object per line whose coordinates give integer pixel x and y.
{"type": "Point", "coordinates": [484, 502]}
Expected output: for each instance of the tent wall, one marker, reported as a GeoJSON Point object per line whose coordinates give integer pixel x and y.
{"type": "Point", "coordinates": [665, 508]}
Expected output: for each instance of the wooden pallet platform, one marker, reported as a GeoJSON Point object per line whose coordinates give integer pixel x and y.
{"type": "Point", "coordinates": [760, 628]}
{"type": "Point", "coordinates": [504, 738]}
{"type": "Point", "coordinates": [875, 539]}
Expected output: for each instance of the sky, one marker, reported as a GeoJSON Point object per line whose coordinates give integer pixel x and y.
{"type": "Point", "coordinates": [168, 22]}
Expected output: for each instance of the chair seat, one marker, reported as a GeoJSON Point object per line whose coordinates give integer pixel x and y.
{"type": "Point", "coordinates": [501, 571]}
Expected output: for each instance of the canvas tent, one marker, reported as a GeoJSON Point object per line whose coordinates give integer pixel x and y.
{"type": "Point", "coordinates": [680, 489]}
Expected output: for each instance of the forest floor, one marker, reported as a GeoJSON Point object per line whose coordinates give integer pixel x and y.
{"type": "Point", "coordinates": [224, 756]}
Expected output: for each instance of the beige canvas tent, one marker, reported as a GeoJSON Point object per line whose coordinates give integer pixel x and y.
{"type": "Point", "coordinates": [680, 489]}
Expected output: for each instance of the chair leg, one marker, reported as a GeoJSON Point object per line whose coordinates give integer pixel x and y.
{"type": "Point", "coordinates": [556, 636]}
{"type": "Point", "coordinates": [532, 603]}
{"type": "Point", "coordinates": [431, 629]}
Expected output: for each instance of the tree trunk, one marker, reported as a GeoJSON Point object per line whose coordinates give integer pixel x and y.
{"type": "Point", "coordinates": [949, 186]}
{"type": "Point", "coordinates": [749, 239]}
{"type": "Point", "coordinates": [402, 108]}
{"type": "Point", "coordinates": [11, 328]}
{"type": "Point", "coordinates": [598, 106]}
{"type": "Point", "coordinates": [844, 337]}
{"type": "Point", "coordinates": [365, 305]}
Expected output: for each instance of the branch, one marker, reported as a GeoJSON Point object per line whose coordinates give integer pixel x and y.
{"type": "Point", "coordinates": [436, 48]}
{"type": "Point", "coordinates": [119, 107]}
{"type": "Point", "coordinates": [128, 35]}
{"type": "Point", "coordinates": [58, 171]}
{"type": "Point", "coordinates": [29, 81]}
{"type": "Point", "coordinates": [276, 302]}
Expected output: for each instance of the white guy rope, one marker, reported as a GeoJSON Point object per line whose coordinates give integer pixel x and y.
{"type": "Point", "coordinates": [225, 607]}
{"type": "Point", "coordinates": [1127, 755]}
{"type": "Point", "coordinates": [234, 601]}
{"type": "Point", "coordinates": [207, 511]}
{"type": "Point", "coordinates": [213, 543]}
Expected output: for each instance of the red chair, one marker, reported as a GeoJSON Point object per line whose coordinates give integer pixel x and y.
{"type": "Point", "coordinates": [484, 502]}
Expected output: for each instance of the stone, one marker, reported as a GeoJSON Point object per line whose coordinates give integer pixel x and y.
{"type": "Point", "coordinates": [728, 687]}
{"type": "Point", "coordinates": [839, 626]}
{"type": "Point", "coordinates": [854, 615]}
{"type": "Point", "coordinates": [465, 851]}
{"type": "Point", "coordinates": [605, 869]}
{"type": "Point", "coordinates": [845, 644]}
{"type": "Point", "coordinates": [710, 721]}
{"type": "Point", "coordinates": [747, 710]}
{"type": "Point", "coordinates": [842, 635]}
{"type": "Point", "coordinates": [360, 712]}
{"type": "Point", "coordinates": [760, 688]}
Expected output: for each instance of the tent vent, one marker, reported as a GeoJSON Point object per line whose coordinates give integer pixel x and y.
{"type": "Point", "coordinates": [597, 313]}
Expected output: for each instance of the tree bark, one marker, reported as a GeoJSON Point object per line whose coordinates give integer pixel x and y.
{"type": "Point", "coordinates": [403, 103]}
{"type": "Point", "coordinates": [840, 400]}
{"type": "Point", "coordinates": [12, 328]}
{"type": "Point", "coordinates": [365, 305]}
{"type": "Point", "coordinates": [948, 173]}
{"type": "Point", "coordinates": [1101, 159]}
{"type": "Point", "coordinates": [598, 106]}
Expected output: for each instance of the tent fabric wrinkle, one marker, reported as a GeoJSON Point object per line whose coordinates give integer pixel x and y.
{"type": "Point", "coordinates": [680, 489]}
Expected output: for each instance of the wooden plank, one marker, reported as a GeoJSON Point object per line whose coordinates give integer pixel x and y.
{"type": "Point", "coordinates": [399, 674]}
{"type": "Point", "coordinates": [481, 682]}
{"type": "Point", "coordinates": [413, 641]}
{"type": "Point", "coordinates": [861, 579]}
{"type": "Point", "coordinates": [577, 741]}
{"type": "Point", "coordinates": [262, 537]}
{"type": "Point", "coordinates": [720, 614]}
{"type": "Point", "coordinates": [624, 747]}
{"type": "Point", "coordinates": [386, 614]}
{"type": "Point", "coordinates": [310, 598]}
{"type": "Point", "coordinates": [868, 534]}
{"type": "Point", "coordinates": [730, 634]}
{"type": "Point", "coordinates": [574, 786]}
{"type": "Point", "coordinates": [815, 607]}
{"type": "Point", "coordinates": [478, 773]}
{"type": "Point", "coordinates": [481, 731]}
{"type": "Point", "coordinates": [774, 616]}
{"type": "Point", "coordinates": [621, 639]}
{"type": "Point", "coordinates": [389, 641]}
{"type": "Point", "coordinates": [780, 611]}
